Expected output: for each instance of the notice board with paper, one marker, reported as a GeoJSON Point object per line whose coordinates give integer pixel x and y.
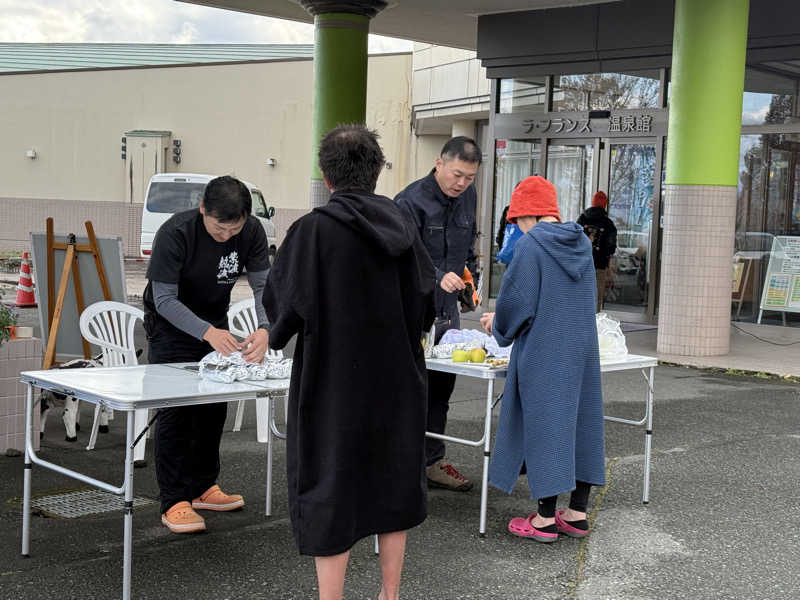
{"type": "Point", "coordinates": [781, 291]}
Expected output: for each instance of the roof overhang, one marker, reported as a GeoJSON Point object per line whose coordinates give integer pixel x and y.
{"type": "Point", "coordinates": [441, 22]}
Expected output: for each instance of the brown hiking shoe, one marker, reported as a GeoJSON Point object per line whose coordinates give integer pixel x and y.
{"type": "Point", "coordinates": [444, 475]}
{"type": "Point", "coordinates": [180, 518]}
{"type": "Point", "coordinates": [215, 499]}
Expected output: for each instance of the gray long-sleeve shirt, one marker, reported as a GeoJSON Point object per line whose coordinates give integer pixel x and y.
{"type": "Point", "coordinates": [165, 297]}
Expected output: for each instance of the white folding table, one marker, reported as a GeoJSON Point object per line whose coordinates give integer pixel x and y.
{"type": "Point", "coordinates": [126, 389]}
{"type": "Point", "coordinates": [483, 371]}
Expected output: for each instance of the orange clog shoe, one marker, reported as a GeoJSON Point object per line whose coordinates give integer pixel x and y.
{"type": "Point", "coordinates": [215, 499]}
{"type": "Point", "coordinates": [181, 518]}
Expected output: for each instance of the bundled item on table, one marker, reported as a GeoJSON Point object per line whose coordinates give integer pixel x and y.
{"type": "Point", "coordinates": [227, 369]}
{"type": "Point", "coordinates": [466, 340]}
{"type": "Point", "coordinates": [610, 339]}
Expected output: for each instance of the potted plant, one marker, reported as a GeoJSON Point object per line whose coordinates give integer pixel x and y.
{"type": "Point", "coordinates": [8, 320]}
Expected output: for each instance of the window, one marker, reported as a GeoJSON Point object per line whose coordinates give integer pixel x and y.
{"type": "Point", "coordinates": [769, 98]}
{"type": "Point", "coordinates": [606, 91]}
{"type": "Point", "coordinates": [522, 95]}
{"type": "Point", "coordinates": [768, 206]}
{"type": "Point", "coordinates": [169, 197]}
{"type": "Point", "coordinates": [259, 208]}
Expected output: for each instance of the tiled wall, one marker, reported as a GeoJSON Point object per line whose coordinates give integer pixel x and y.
{"type": "Point", "coordinates": [20, 216]}
{"type": "Point", "coordinates": [695, 300]}
{"type": "Point", "coordinates": [17, 356]}
{"type": "Point", "coordinates": [284, 217]}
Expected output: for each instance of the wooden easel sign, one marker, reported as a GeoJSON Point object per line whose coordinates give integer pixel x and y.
{"type": "Point", "coordinates": [79, 271]}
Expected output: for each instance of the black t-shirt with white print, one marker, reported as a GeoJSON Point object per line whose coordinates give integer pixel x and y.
{"type": "Point", "coordinates": [204, 269]}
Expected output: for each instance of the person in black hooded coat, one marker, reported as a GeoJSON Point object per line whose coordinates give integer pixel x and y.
{"type": "Point", "coordinates": [354, 282]}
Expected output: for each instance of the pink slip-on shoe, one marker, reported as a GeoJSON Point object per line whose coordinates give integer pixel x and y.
{"type": "Point", "coordinates": [522, 527]}
{"type": "Point", "coordinates": [569, 528]}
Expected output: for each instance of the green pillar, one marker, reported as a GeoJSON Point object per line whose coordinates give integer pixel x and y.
{"type": "Point", "coordinates": [705, 118]}
{"type": "Point", "coordinates": [705, 111]}
{"type": "Point", "coordinates": [340, 72]}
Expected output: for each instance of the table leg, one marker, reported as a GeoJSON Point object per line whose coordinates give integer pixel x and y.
{"type": "Point", "coordinates": [648, 436]}
{"type": "Point", "coordinates": [28, 467]}
{"type": "Point", "coordinates": [487, 445]}
{"type": "Point", "coordinates": [127, 554]}
{"type": "Point", "coordinates": [270, 418]}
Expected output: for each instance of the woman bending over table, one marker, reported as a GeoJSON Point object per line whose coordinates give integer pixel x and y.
{"type": "Point", "coordinates": [551, 421]}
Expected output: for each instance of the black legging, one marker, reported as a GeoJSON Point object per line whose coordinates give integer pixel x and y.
{"type": "Point", "coordinates": [578, 501]}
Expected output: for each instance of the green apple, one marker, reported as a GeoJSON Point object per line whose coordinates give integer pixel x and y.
{"type": "Point", "coordinates": [477, 355]}
{"type": "Point", "coordinates": [460, 356]}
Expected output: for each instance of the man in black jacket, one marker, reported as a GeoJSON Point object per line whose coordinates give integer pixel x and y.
{"type": "Point", "coordinates": [356, 419]}
{"type": "Point", "coordinates": [603, 234]}
{"type": "Point", "coordinates": [442, 205]}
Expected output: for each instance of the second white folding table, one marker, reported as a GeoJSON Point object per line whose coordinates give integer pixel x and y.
{"type": "Point", "coordinates": [646, 364]}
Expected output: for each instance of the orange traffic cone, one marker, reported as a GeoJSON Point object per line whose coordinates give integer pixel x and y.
{"type": "Point", "coordinates": [25, 297]}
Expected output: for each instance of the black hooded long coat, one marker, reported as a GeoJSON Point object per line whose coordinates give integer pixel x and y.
{"type": "Point", "coordinates": [354, 282]}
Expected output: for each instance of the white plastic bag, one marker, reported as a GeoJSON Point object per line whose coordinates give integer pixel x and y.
{"type": "Point", "coordinates": [610, 338]}
{"type": "Point", "coordinates": [467, 339]}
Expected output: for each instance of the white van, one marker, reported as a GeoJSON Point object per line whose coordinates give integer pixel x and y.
{"type": "Point", "coordinates": [170, 193]}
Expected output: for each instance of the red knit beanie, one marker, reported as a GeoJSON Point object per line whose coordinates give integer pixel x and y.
{"type": "Point", "coordinates": [533, 197]}
{"type": "Point", "coordinates": [600, 199]}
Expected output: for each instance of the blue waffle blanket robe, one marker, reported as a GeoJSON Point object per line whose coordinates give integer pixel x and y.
{"type": "Point", "coordinates": [552, 409]}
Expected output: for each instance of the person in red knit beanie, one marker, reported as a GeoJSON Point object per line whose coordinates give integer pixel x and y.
{"type": "Point", "coordinates": [603, 235]}
{"type": "Point", "coordinates": [600, 199]}
{"type": "Point", "coordinates": [551, 421]}
{"type": "Point", "coordinates": [533, 197]}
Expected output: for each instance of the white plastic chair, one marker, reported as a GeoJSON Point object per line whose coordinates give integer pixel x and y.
{"type": "Point", "coordinates": [110, 325]}
{"type": "Point", "coordinates": [242, 321]}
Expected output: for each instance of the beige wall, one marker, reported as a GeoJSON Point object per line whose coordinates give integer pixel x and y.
{"type": "Point", "coordinates": [450, 96]}
{"type": "Point", "coordinates": [442, 73]}
{"type": "Point", "coordinates": [448, 84]}
{"type": "Point", "coordinates": [230, 119]}
{"type": "Point", "coordinates": [425, 151]}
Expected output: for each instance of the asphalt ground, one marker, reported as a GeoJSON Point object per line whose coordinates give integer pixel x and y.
{"type": "Point", "coordinates": [722, 520]}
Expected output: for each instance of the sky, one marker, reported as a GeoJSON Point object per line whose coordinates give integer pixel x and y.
{"type": "Point", "coordinates": [153, 21]}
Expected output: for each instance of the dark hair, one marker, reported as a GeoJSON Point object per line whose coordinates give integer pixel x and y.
{"type": "Point", "coordinates": [350, 158]}
{"type": "Point", "coordinates": [462, 148]}
{"type": "Point", "coordinates": [227, 199]}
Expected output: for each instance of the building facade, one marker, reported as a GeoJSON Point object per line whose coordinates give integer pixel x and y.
{"type": "Point", "coordinates": [582, 95]}
{"type": "Point", "coordinates": [584, 98]}
{"type": "Point", "coordinates": [61, 153]}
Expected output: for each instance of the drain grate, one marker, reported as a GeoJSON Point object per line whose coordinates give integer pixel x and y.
{"type": "Point", "coordinates": [71, 505]}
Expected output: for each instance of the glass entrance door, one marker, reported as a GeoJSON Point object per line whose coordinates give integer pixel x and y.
{"type": "Point", "coordinates": [514, 161]}
{"type": "Point", "coordinates": [570, 168]}
{"type": "Point", "coordinates": [627, 175]}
